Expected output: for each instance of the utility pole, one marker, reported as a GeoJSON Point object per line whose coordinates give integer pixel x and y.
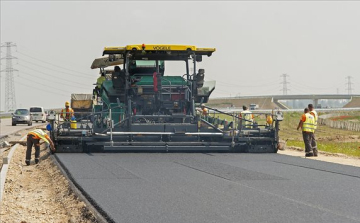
{"type": "Point", "coordinates": [284, 83]}
{"type": "Point", "coordinates": [10, 100]}
{"type": "Point", "coordinates": [349, 89]}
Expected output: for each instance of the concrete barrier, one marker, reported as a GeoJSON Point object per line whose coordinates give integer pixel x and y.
{"type": "Point", "coordinates": [352, 126]}
{"type": "Point", "coordinates": [5, 168]}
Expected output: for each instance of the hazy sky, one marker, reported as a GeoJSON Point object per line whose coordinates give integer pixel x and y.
{"type": "Point", "coordinates": [316, 43]}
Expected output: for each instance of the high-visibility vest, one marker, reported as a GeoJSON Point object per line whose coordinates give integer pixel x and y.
{"type": "Point", "coordinates": [247, 119]}
{"type": "Point", "coordinates": [269, 120]}
{"type": "Point", "coordinates": [308, 125]}
{"type": "Point", "coordinates": [66, 114]}
{"type": "Point", "coordinates": [100, 80]}
{"type": "Point", "coordinates": [316, 118]}
{"type": "Point", "coordinates": [40, 134]}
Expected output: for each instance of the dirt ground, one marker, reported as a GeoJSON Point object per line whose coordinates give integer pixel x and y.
{"type": "Point", "coordinates": [39, 193]}
{"type": "Point", "coordinates": [322, 156]}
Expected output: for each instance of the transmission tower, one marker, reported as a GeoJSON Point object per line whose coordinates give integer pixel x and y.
{"type": "Point", "coordinates": [284, 83]}
{"type": "Point", "coordinates": [348, 84]}
{"type": "Point", "coordinates": [10, 100]}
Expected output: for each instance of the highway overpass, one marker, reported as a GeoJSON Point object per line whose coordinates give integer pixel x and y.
{"type": "Point", "coordinates": [271, 101]}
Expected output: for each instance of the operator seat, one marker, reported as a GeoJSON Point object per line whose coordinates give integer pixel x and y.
{"type": "Point", "coordinates": [118, 78]}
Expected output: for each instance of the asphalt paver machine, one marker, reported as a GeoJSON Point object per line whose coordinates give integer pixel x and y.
{"type": "Point", "coordinates": [145, 106]}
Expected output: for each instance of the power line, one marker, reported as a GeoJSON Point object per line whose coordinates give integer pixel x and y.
{"type": "Point", "coordinates": [10, 99]}
{"type": "Point", "coordinates": [308, 87]}
{"type": "Point", "coordinates": [43, 61]}
{"type": "Point", "coordinates": [42, 90]}
{"type": "Point", "coordinates": [300, 89]}
{"type": "Point", "coordinates": [54, 88]}
{"type": "Point", "coordinates": [40, 56]}
{"type": "Point", "coordinates": [52, 80]}
{"type": "Point", "coordinates": [229, 83]}
{"type": "Point", "coordinates": [244, 86]}
{"type": "Point", "coordinates": [38, 65]}
{"type": "Point", "coordinates": [48, 74]}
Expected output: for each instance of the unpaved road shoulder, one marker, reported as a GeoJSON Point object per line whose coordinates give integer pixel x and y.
{"type": "Point", "coordinates": [323, 156]}
{"type": "Point", "coordinates": [40, 193]}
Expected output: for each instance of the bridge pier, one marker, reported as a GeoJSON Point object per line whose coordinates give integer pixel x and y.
{"type": "Point", "coordinates": [316, 102]}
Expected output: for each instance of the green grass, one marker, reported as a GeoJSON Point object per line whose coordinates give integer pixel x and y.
{"type": "Point", "coordinates": [347, 148]}
{"type": "Point", "coordinates": [328, 139]}
{"type": "Point", "coordinates": [5, 117]}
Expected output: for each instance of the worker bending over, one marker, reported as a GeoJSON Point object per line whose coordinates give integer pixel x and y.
{"type": "Point", "coordinates": [307, 122]}
{"type": "Point", "coordinates": [247, 118]}
{"type": "Point", "coordinates": [33, 138]}
{"type": "Point", "coordinates": [67, 113]}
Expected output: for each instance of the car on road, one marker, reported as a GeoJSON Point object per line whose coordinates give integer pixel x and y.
{"type": "Point", "coordinates": [21, 116]}
{"type": "Point", "coordinates": [38, 114]}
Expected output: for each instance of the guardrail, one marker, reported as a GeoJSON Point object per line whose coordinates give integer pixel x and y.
{"type": "Point", "coordinates": [5, 114]}
{"type": "Point", "coordinates": [5, 167]}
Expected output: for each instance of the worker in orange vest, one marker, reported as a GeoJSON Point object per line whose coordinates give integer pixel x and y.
{"type": "Point", "coordinates": [306, 123]}
{"type": "Point", "coordinates": [67, 113]}
{"type": "Point", "coordinates": [313, 139]}
{"type": "Point", "coordinates": [33, 138]}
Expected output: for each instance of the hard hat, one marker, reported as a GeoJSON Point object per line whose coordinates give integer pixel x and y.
{"type": "Point", "coordinates": [67, 103]}
{"type": "Point", "coordinates": [202, 105]}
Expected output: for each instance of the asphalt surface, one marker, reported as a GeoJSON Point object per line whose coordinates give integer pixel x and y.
{"type": "Point", "coordinates": [217, 187]}
{"type": "Point", "coordinates": [6, 128]}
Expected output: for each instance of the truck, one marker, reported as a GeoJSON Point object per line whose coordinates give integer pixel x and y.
{"type": "Point", "coordinates": [82, 105]}
{"type": "Point", "coordinates": [254, 106]}
{"type": "Point", "coordinates": [146, 107]}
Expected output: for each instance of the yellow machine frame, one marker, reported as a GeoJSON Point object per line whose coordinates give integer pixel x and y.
{"type": "Point", "coordinates": [157, 47]}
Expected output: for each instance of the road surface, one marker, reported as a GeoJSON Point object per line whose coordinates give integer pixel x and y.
{"type": "Point", "coordinates": [218, 187]}
{"type": "Point", "coordinates": [6, 128]}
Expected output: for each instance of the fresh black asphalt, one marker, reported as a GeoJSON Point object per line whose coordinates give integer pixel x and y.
{"type": "Point", "coordinates": [216, 187]}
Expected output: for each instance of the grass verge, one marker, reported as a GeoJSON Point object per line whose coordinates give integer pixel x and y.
{"type": "Point", "coordinates": [328, 139]}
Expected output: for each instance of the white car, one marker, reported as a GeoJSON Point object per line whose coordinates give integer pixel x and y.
{"type": "Point", "coordinates": [38, 114]}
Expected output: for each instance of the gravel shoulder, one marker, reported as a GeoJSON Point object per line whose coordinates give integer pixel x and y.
{"type": "Point", "coordinates": [322, 156]}
{"type": "Point", "coordinates": [14, 137]}
{"type": "Point", "coordinates": [40, 193]}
